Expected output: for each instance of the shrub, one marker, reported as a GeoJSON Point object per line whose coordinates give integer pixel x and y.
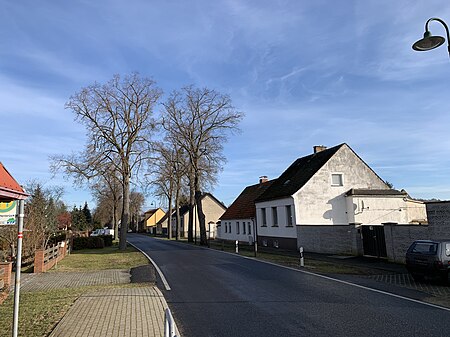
{"type": "Point", "coordinates": [88, 243]}
{"type": "Point", "coordinates": [108, 239]}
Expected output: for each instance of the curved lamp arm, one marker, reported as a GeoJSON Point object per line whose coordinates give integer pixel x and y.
{"type": "Point", "coordinates": [445, 26]}
{"type": "Point", "coordinates": [428, 41]}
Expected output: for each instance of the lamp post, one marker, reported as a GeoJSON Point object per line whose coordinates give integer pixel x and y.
{"type": "Point", "coordinates": [429, 41]}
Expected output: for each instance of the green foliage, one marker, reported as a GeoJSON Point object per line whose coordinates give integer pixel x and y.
{"type": "Point", "coordinates": [79, 219]}
{"type": "Point", "coordinates": [90, 242]}
{"type": "Point", "coordinates": [87, 214]}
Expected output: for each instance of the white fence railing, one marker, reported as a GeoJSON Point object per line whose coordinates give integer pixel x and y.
{"type": "Point", "coordinates": [170, 328]}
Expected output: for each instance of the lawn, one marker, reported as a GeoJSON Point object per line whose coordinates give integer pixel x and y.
{"type": "Point", "coordinates": [100, 259]}
{"type": "Point", "coordinates": [291, 259]}
{"type": "Point", "coordinates": [40, 311]}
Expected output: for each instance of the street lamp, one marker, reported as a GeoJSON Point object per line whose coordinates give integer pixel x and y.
{"type": "Point", "coordinates": [429, 41]}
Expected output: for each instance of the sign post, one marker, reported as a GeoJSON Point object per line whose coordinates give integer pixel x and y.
{"type": "Point", "coordinates": [18, 267]}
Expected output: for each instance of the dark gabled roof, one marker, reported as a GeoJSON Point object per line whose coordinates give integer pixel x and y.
{"type": "Point", "coordinates": [355, 191]}
{"type": "Point", "coordinates": [244, 205]}
{"type": "Point", "coordinates": [298, 174]}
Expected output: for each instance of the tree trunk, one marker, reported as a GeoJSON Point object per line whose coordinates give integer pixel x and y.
{"type": "Point", "coordinates": [177, 210]}
{"type": "Point", "coordinates": [169, 219]}
{"type": "Point", "coordinates": [125, 213]}
{"type": "Point", "coordinates": [200, 215]}
{"type": "Point", "coordinates": [191, 212]}
{"type": "Point", "coordinates": [114, 221]}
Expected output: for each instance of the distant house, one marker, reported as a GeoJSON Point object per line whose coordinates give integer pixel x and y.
{"type": "Point", "coordinates": [332, 202]}
{"type": "Point", "coordinates": [151, 218]}
{"type": "Point", "coordinates": [213, 210]}
{"type": "Point", "coordinates": [238, 221]}
{"type": "Point", "coordinates": [161, 225]}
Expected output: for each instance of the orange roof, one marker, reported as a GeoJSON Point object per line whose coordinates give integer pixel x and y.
{"type": "Point", "coordinates": [9, 187]}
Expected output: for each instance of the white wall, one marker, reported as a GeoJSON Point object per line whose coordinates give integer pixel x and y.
{"type": "Point", "coordinates": [318, 202]}
{"type": "Point", "coordinates": [228, 230]}
{"type": "Point", "coordinates": [282, 229]}
{"type": "Point", "coordinates": [381, 209]}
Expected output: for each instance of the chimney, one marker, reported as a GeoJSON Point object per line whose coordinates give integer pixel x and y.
{"type": "Point", "coordinates": [263, 179]}
{"type": "Point", "coordinates": [319, 148]}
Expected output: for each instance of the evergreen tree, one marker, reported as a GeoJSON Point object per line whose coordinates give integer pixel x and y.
{"type": "Point", "coordinates": [87, 214]}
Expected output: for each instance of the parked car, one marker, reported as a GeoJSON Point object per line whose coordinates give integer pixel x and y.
{"type": "Point", "coordinates": [103, 231]}
{"type": "Point", "coordinates": [429, 258]}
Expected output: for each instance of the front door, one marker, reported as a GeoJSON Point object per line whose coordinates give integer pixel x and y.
{"type": "Point", "coordinates": [374, 243]}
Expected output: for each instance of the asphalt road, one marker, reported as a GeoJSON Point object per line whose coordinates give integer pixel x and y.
{"type": "Point", "coordinates": [219, 294]}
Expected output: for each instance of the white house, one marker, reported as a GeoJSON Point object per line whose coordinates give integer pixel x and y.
{"type": "Point", "coordinates": [323, 201]}
{"type": "Point", "coordinates": [238, 221]}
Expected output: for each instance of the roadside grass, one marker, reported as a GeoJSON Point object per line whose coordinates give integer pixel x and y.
{"type": "Point", "coordinates": [290, 259]}
{"type": "Point", "coordinates": [100, 259]}
{"type": "Point", "coordinates": [39, 312]}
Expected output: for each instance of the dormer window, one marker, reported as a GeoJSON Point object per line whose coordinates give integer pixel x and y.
{"type": "Point", "coordinates": [337, 179]}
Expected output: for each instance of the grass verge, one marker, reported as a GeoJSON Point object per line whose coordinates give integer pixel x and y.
{"type": "Point", "coordinates": [39, 312]}
{"type": "Point", "coordinates": [292, 260]}
{"type": "Point", "coordinates": [101, 259]}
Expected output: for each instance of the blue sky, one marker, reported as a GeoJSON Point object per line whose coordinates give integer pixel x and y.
{"type": "Point", "coordinates": [304, 72]}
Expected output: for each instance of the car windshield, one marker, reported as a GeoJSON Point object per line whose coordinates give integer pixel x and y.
{"type": "Point", "coordinates": [425, 248]}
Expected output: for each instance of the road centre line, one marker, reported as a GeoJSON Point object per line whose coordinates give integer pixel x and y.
{"type": "Point", "coordinates": [161, 275]}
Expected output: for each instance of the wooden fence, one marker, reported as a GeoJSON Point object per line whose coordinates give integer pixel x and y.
{"type": "Point", "coordinates": [45, 259]}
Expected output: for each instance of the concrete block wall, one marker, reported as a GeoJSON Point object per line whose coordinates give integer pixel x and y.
{"type": "Point", "coordinates": [399, 238]}
{"type": "Point", "coordinates": [344, 239]}
{"type": "Point", "coordinates": [438, 214]}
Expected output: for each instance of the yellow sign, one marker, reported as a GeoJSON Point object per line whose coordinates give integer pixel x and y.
{"type": "Point", "coordinates": [8, 211]}
{"type": "Point", "coordinates": [7, 206]}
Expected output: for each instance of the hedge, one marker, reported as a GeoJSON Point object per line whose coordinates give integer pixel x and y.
{"type": "Point", "coordinates": [108, 239]}
{"type": "Point", "coordinates": [88, 242]}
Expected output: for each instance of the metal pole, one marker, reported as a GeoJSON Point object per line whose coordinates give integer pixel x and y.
{"type": "Point", "coordinates": [18, 267]}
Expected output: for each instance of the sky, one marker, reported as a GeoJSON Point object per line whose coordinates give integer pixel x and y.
{"type": "Point", "coordinates": [304, 73]}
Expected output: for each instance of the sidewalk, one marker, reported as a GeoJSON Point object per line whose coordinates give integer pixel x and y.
{"type": "Point", "coordinates": [128, 311]}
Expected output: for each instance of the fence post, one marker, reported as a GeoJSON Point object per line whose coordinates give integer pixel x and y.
{"type": "Point", "coordinates": [237, 247]}
{"type": "Point", "coordinates": [302, 261]}
{"type": "Point", "coordinates": [39, 255]}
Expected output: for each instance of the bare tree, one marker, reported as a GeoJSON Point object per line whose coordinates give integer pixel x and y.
{"type": "Point", "coordinates": [168, 171]}
{"type": "Point", "coordinates": [199, 121]}
{"type": "Point", "coordinates": [118, 117]}
{"type": "Point", "coordinates": [137, 200]}
{"type": "Point", "coordinates": [41, 215]}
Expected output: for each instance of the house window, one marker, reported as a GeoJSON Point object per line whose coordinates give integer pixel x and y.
{"type": "Point", "coordinates": [237, 227]}
{"type": "Point", "coordinates": [274, 217]}
{"type": "Point", "coordinates": [263, 217]}
{"type": "Point", "coordinates": [249, 229]}
{"type": "Point", "coordinates": [226, 228]}
{"type": "Point", "coordinates": [229, 227]}
{"type": "Point", "coordinates": [289, 222]}
{"type": "Point", "coordinates": [337, 179]}
{"type": "Point", "coordinates": [243, 227]}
